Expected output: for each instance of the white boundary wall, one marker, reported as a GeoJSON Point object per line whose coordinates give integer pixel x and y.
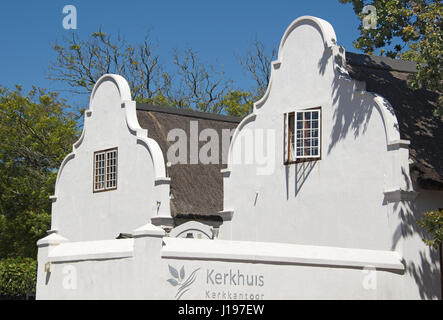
{"type": "Point", "coordinates": [139, 268]}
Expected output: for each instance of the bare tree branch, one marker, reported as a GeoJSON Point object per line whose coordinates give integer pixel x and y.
{"type": "Point", "coordinates": [257, 63]}
{"type": "Point", "coordinates": [80, 63]}
{"type": "Point", "coordinates": [201, 86]}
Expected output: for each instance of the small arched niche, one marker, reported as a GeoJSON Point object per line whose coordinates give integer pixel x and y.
{"type": "Point", "coordinates": [193, 230]}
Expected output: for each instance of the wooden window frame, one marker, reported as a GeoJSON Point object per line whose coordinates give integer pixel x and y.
{"type": "Point", "coordinates": [287, 137]}
{"type": "Point", "coordinates": [106, 174]}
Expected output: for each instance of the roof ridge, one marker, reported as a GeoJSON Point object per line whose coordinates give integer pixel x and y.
{"type": "Point", "coordinates": [188, 113]}
{"type": "Point", "coordinates": [379, 62]}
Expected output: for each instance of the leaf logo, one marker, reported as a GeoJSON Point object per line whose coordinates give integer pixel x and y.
{"type": "Point", "coordinates": [178, 279]}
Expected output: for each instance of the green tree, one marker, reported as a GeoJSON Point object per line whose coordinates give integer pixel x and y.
{"type": "Point", "coordinates": [36, 133]}
{"type": "Point", "coordinates": [237, 103]}
{"type": "Point", "coordinates": [18, 277]}
{"type": "Point", "coordinates": [409, 30]}
{"type": "Point", "coordinates": [432, 222]}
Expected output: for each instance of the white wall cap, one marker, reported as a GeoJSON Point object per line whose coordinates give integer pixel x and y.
{"type": "Point", "coordinates": [148, 230]}
{"type": "Point", "coordinates": [226, 214]}
{"type": "Point", "coordinates": [162, 180]}
{"type": "Point", "coordinates": [396, 144]}
{"type": "Point", "coordinates": [268, 252]}
{"type": "Point", "coordinates": [92, 250]}
{"type": "Point", "coordinates": [52, 240]}
{"type": "Point", "coordinates": [400, 195]}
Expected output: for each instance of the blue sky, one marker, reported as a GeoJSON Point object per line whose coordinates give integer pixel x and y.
{"type": "Point", "coordinates": [216, 29]}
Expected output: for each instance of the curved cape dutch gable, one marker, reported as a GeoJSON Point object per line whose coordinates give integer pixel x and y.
{"type": "Point", "coordinates": [343, 194]}
{"type": "Point", "coordinates": [142, 191]}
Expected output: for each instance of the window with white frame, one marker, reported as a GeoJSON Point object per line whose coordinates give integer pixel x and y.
{"type": "Point", "coordinates": [105, 170]}
{"type": "Point", "coordinates": [302, 135]}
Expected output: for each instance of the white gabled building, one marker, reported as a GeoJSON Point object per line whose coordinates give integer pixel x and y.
{"type": "Point", "coordinates": [316, 196]}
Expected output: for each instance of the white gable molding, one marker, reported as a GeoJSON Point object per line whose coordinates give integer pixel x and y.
{"type": "Point", "coordinates": [249, 118]}
{"type": "Point", "coordinates": [389, 119]}
{"type": "Point", "coordinates": [120, 82]}
{"type": "Point", "coordinates": [325, 28]}
{"type": "Point", "coordinates": [142, 136]}
{"type": "Point", "coordinates": [385, 109]}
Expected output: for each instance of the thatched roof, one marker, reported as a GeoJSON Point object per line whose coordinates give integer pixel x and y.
{"type": "Point", "coordinates": [197, 189]}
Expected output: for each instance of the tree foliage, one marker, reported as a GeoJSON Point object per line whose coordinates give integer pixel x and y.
{"type": "Point", "coordinates": [36, 133]}
{"type": "Point", "coordinates": [432, 222]}
{"type": "Point", "coordinates": [18, 277]}
{"type": "Point", "coordinates": [409, 30]}
{"type": "Point", "coordinates": [238, 103]}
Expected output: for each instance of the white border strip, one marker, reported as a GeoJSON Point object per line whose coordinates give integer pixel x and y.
{"type": "Point", "coordinates": [277, 253]}
{"type": "Point", "coordinates": [92, 250]}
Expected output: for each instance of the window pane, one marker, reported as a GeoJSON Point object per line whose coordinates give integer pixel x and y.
{"type": "Point", "coordinates": [315, 124]}
{"type": "Point", "coordinates": [99, 171]}
{"type": "Point", "coordinates": [315, 142]}
{"type": "Point", "coordinates": [315, 133]}
{"type": "Point", "coordinates": [111, 168]}
{"type": "Point", "coordinates": [299, 134]}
